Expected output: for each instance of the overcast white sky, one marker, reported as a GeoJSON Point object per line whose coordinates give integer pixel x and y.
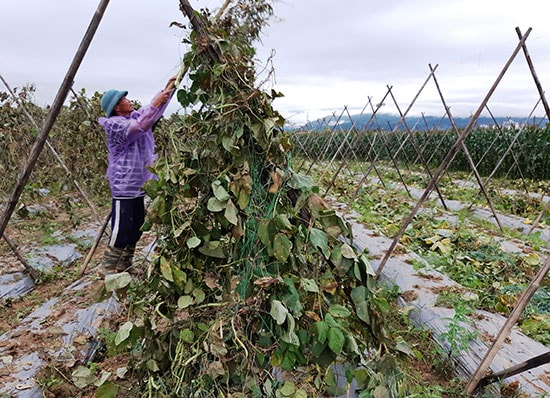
{"type": "Point", "coordinates": [327, 54]}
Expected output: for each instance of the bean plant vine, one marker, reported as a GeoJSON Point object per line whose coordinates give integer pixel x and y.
{"type": "Point", "coordinates": [255, 288]}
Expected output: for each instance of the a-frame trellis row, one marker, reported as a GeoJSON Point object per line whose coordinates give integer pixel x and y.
{"type": "Point", "coordinates": [393, 152]}
{"type": "Point", "coordinates": [351, 139]}
{"type": "Point", "coordinates": [81, 191]}
{"type": "Point", "coordinates": [314, 152]}
{"type": "Point", "coordinates": [345, 140]}
{"type": "Point", "coordinates": [477, 379]}
{"type": "Point", "coordinates": [55, 108]}
{"type": "Point", "coordinates": [42, 137]}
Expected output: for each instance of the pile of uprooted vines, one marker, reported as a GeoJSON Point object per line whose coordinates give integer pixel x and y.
{"type": "Point", "coordinates": [255, 288]}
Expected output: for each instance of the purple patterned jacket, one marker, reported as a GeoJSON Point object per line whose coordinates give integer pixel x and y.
{"type": "Point", "coordinates": [131, 147]}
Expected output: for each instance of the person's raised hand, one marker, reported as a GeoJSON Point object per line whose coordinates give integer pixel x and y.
{"type": "Point", "coordinates": [171, 84]}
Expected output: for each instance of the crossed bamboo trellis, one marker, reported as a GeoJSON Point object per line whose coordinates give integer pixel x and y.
{"type": "Point", "coordinates": [352, 137]}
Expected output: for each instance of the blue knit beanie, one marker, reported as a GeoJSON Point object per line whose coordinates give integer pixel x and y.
{"type": "Point", "coordinates": [110, 100]}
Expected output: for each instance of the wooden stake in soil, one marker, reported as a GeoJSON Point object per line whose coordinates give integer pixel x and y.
{"type": "Point", "coordinates": [52, 115]}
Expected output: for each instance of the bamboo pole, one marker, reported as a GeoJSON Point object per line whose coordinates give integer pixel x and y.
{"type": "Point", "coordinates": [413, 138]}
{"type": "Point", "coordinates": [442, 139]}
{"type": "Point", "coordinates": [321, 155]}
{"type": "Point", "coordinates": [539, 217]}
{"type": "Point", "coordinates": [531, 363]}
{"type": "Point", "coordinates": [510, 147]}
{"type": "Point", "coordinates": [32, 272]}
{"type": "Point", "coordinates": [84, 265]}
{"type": "Point", "coordinates": [429, 132]}
{"type": "Point", "coordinates": [187, 9]}
{"type": "Point", "coordinates": [52, 115]}
{"type": "Point", "coordinates": [11, 244]}
{"type": "Point", "coordinates": [372, 142]}
{"type": "Point", "coordinates": [333, 158]}
{"type": "Point", "coordinates": [344, 162]}
{"type": "Point", "coordinates": [514, 156]}
{"type": "Point", "coordinates": [322, 125]}
{"type": "Point", "coordinates": [507, 327]}
{"type": "Point", "coordinates": [358, 141]}
{"type": "Point", "coordinates": [468, 156]}
{"type": "Point", "coordinates": [339, 149]}
{"type": "Point", "coordinates": [377, 155]}
{"type": "Point", "coordinates": [534, 74]}
{"type": "Point", "coordinates": [94, 122]}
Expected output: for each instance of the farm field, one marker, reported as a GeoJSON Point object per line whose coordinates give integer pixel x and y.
{"type": "Point", "coordinates": [481, 269]}
{"type": "Point", "coordinates": [274, 263]}
{"type": "Point", "coordinates": [486, 264]}
{"type": "Point", "coordinates": [463, 241]}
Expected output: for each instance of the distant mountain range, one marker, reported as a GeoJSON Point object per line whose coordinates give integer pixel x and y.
{"type": "Point", "coordinates": [388, 122]}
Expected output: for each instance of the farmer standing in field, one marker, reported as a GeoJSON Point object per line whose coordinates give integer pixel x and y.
{"type": "Point", "coordinates": [131, 148]}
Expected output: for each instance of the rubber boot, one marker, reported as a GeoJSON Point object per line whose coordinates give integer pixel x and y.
{"type": "Point", "coordinates": [125, 262]}
{"type": "Point", "coordinates": [112, 258]}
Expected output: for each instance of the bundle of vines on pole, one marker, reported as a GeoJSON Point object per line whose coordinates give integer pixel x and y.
{"type": "Point", "coordinates": [255, 288]}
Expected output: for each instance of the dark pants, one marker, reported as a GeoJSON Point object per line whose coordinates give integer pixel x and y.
{"type": "Point", "coordinates": [127, 217]}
